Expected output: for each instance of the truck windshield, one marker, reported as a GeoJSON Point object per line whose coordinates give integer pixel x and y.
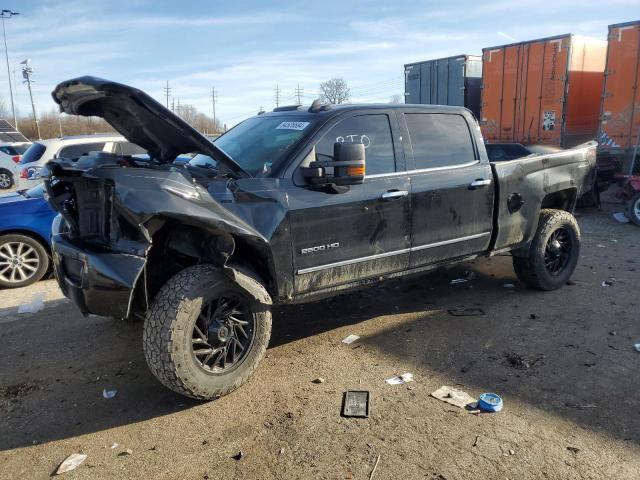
{"type": "Point", "coordinates": [261, 142]}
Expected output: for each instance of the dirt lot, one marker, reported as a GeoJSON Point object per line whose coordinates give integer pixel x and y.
{"type": "Point", "coordinates": [563, 361]}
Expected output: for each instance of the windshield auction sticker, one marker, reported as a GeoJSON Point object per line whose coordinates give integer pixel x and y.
{"type": "Point", "coordinates": [292, 126]}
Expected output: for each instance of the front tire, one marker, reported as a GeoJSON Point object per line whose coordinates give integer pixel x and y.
{"type": "Point", "coordinates": [633, 208]}
{"type": "Point", "coordinates": [553, 253]}
{"type": "Point", "coordinates": [23, 261]}
{"type": "Point", "coordinates": [204, 335]}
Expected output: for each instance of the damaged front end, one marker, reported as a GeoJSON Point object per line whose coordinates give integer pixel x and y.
{"type": "Point", "coordinates": [116, 216]}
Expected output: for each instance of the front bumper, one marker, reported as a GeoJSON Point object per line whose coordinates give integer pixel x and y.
{"type": "Point", "coordinates": [98, 282]}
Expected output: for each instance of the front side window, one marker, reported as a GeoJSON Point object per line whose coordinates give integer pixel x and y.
{"type": "Point", "coordinates": [74, 151]}
{"type": "Point", "coordinates": [128, 148]}
{"type": "Point", "coordinates": [439, 140]}
{"type": "Point", "coordinates": [373, 131]}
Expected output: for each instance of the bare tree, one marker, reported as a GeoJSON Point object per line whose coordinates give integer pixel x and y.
{"type": "Point", "coordinates": [396, 98]}
{"type": "Point", "coordinates": [335, 91]}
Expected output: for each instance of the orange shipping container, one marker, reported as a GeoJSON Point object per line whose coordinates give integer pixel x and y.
{"type": "Point", "coordinates": [544, 91]}
{"type": "Point", "coordinates": [620, 126]}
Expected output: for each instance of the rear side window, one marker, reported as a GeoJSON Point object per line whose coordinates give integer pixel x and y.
{"type": "Point", "coordinates": [439, 140]}
{"type": "Point", "coordinates": [128, 148]}
{"type": "Point", "coordinates": [33, 153]}
{"type": "Point", "coordinates": [371, 130]}
{"type": "Point", "coordinates": [74, 151]}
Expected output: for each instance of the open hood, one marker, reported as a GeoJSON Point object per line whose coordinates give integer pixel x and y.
{"type": "Point", "coordinates": [137, 117]}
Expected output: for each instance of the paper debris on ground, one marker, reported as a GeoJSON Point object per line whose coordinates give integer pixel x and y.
{"type": "Point", "coordinates": [509, 285]}
{"type": "Point", "coordinates": [458, 280]}
{"type": "Point", "coordinates": [637, 347]}
{"type": "Point", "coordinates": [455, 397]}
{"type": "Point", "coordinates": [350, 339]}
{"type": "Point", "coordinates": [35, 305]}
{"type": "Point", "coordinates": [109, 393]}
{"type": "Point", "coordinates": [114, 446]}
{"type": "Point", "coordinates": [621, 217]}
{"type": "Point", "coordinates": [72, 462]}
{"type": "Point", "coordinates": [401, 379]}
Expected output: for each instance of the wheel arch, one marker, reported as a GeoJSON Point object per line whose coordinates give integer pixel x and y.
{"type": "Point", "coordinates": [561, 200]}
{"type": "Point", "coordinates": [28, 233]}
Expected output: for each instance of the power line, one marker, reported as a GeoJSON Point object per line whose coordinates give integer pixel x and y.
{"type": "Point", "coordinates": [277, 96]}
{"type": "Point", "coordinates": [214, 99]}
{"type": "Point", "coordinates": [298, 92]}
{"type": "Point", "coordinates": [167, 93]}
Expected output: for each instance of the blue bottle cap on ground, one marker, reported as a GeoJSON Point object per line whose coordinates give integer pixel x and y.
{"type": "Point", "coordinates": [490, 402]}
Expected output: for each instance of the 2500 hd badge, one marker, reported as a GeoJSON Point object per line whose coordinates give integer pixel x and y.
{"type": "Point", "coordinates": [320, 248]}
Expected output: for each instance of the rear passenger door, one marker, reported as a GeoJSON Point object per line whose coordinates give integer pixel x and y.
{"type": "Point", "coordinates": [452, 190]}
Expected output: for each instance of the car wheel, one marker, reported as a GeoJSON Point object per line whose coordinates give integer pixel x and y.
{"type": "Point", "coordinates": [633, 209]}
{"type": "Point", "coordinates": [204, 334]}
{"type": "Point", "coordinates": [553, 253]}
{"type": "Point", "coordinates": [6, 180]}
{"type": "Point", "coordinates": [23, 261]}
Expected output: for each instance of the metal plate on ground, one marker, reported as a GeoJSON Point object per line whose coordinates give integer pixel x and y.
{"type": "Point", "coordinates": [355, 404]}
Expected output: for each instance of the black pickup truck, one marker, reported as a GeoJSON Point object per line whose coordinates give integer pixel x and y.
{"type": "Point", "coordinates": [289, 206]}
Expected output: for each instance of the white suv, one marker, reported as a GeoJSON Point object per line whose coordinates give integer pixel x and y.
{"type": "Point", "coordinates": [10, 154]}
{"type": "Point", "coordinates": [41, 151]}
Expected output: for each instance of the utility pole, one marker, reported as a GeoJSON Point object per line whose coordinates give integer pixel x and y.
{"type": "Point", "coordinates": [214, 99]}
{"type": "Point", "coordinates": [8, 14]}
{"type": "Point", "coordinates": [167, 92]}
{"type": "Point", "coordinates": [277, 96]}
{"type": "Point", "coordinates": [298, 93]}
{"type": "Point", "coordinates": [27, 71]}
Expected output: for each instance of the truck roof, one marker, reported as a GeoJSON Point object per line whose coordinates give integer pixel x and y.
{"type": "Point", "coordinates": [327, 110]}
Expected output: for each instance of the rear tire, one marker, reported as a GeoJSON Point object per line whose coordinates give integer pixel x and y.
{"type": "Point", "coordinates": [553, 253]}
{"type": "Point", "coordinates": [23, 261]}
{"type": "Point", "coordinates": [6, 179]}
{"type": "Point", "coordinates": [633, 209]}
{"type": "Point", "coordinates": [190, 342]}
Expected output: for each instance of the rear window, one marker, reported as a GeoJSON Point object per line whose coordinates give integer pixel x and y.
{"type": "Point", "coordinates": [74, 151]}
{"type": "Point", "coordinates": [33, 153]}
{"type": "Point", "coordinates": [128, 148]}
{"type": "Point", "coordinates": [14, 149]}
{"type": "Point", "coordinates": [439, 140]}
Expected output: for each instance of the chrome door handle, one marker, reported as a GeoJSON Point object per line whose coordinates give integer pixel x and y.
{"type": "Point", "coordinates": [394, 194]}
{"type": "Point", "coordinates": [480, 182]}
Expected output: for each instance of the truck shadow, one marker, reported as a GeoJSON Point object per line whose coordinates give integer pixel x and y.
{"type": "Point", "coordinates": [550, 350]}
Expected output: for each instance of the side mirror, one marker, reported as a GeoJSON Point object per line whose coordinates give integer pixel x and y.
{"type": "Point", "coordinates": [347, 168]}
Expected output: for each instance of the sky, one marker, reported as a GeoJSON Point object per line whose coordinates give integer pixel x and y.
{"type": "Point", "coordinates": [246, 48]}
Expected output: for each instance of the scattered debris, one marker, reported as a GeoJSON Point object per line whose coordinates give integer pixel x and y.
{"type": "Point", "coordinates": [238, 456]}
{"type": "Point", "coordinates": [608, 283]}
{"type": "Point", "coordinates": [350, 339]}
{"type": "Point", "coordinates": [613, 333]}
{"type": "Point", "coordinates": [109, 393]}
{"type": "Point", "coordinates": [509, 285]}
{"type": "Point", "coordinates": [637, 347]}
{"type": "Point", "coordinates": [282, 451]}
{"type": "Point", "coordinates": [581, 405]}
{"type": "Point", "coordinates": [455, 397]}
{"type": "Point", "coordinates": [490, 402]}
{"type": "Point", "coordinates": [573, 450]}
{"type": "Point", "coordinates": [18, 390]}
{"type": "Point", "coordinates": [475, 442]}
{"type": "Point", "coordinates": [374, 468]}
{"type": "Point", "coordinates": [458, 280]}
{"type": "Point", "coordinates": [355, 404]}
{"type": "Point", "coordinates": [35, 305]}
{"type": "Point", "coordinates": [621, 217]}
{"type": "Point", "coordinates": [114, 446]}
{"type": "Point", "coordinates": [466, 312]}
{"type": "Point", "coordinates": [600, 246]}
{"type": "Point", "coordinates": [125, 452]}
{"type": "Point", "coordinates": [400, 380]}
{"type": "Point", "coordinates": [511, 452]}
{"type": "Point", "coordinates": [72, 462]}
{"type": "Point", "coordinates": [520, 362]}
{"type": "Point", "coordinates": [318, 380]}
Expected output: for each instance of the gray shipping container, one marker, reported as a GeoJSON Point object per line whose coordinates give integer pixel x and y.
{"type": "Point", "coordinates": [445, 81]}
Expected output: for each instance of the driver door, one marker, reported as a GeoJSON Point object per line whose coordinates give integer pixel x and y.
{"type": "Point", "coordinates": [341, 238]}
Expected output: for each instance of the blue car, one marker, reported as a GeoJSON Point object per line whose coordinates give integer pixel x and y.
{"type": "Point", "coordinates": [25, 236]}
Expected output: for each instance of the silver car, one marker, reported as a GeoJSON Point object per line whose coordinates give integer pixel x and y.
{"type": "Point", "coordinates": [41, 151]}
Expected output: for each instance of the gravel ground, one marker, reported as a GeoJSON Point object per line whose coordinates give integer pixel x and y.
{"type": "Point", "coordinates": [563, 362]}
